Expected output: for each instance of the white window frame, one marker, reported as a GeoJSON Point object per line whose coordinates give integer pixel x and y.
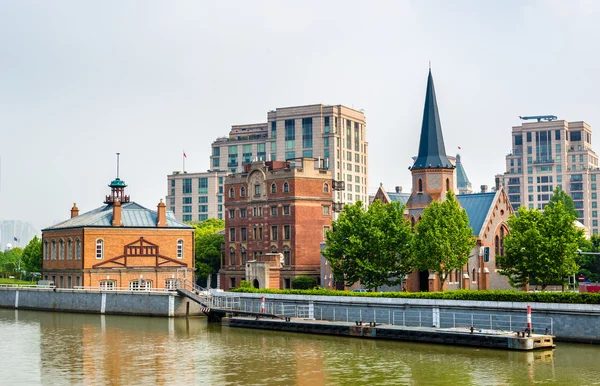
{"type": "Point", "coordinates": [180, 249]}
{"type": "Point", "coordinates": [99, 249]}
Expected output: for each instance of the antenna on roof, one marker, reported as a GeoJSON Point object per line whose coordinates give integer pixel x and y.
{"type": "Point", "coordinates": [118, 164]}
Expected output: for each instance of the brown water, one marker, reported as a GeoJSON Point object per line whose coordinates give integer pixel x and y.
{"type": "Point", "coordinates": [57, 348]}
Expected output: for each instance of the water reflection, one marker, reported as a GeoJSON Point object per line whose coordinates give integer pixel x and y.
{"type": "Point", "coordinates": [58, 348]}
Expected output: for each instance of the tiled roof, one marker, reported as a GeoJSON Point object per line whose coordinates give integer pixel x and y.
{"type": "Point", "coordinates": [132, 214]}
{"type": "Point", "coordinates": [402, 197]}
{"type": "Point", "coordinates": [477, 206]}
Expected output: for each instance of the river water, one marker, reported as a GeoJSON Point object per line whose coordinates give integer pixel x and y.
{"type": "Point", "coordinates": [57, 349]}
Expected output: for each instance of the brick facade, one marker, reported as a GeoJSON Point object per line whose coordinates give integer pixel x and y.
{"type": "Point", "coordinates": [272, 208]}
{"type": "Point", "coordinates": [116, 247]}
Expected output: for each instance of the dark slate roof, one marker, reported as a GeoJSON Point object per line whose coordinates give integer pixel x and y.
{"type": "Point", "coordinates": [132, 214]}
{"type": "Point", "coordinates": [462, 181]}
{"type": "Point", "coordinates": [432, 152]}
{"type": "Point", "coordinates": [477, 206]}
{"type": "Point", "coordinates": [402, 197]}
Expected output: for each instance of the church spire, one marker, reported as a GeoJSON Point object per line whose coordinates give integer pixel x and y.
{"type": "Point", "coordinates": [432, 153]}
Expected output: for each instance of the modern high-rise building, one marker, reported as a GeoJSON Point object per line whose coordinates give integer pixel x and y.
{"type": "Point", "coordinates": [16, 233]}
{"type": "Point", "coordinates": [336, 134]}
{"type": "Point", "coordinates": [550, 154]}
{"type": "Point", "coordinates": [195, 196]}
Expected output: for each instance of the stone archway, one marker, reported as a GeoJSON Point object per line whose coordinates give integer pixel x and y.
{"type": "Point", "coordinates": [255, 283]}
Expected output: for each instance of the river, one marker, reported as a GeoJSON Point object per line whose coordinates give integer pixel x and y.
{"type": "Point", "coordinates": [58, 349]}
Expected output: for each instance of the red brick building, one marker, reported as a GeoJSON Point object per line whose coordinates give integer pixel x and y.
{"type": "Point", "coordinates": [275, 219]}
{"type": "Point", "coordinates": [118, 245]}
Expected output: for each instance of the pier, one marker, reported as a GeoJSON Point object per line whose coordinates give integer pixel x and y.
{"type": "Point", "coordinates": [448, 336]}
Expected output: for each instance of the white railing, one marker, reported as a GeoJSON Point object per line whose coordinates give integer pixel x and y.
{"type": "Point", "coordinates": [424, 318]}
{"type": "Point", "coordinates": [25, 286]}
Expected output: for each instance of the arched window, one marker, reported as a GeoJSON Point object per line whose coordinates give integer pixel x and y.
{"type": "Point", "coordinates": [69, 249]}
{"type": "Point", "coordinates": [287, 255]}
{"type": "Point", "coordinates": [61, 249]}
{"type": "Point", "coordinates": [273, 188]}
{"type": "Point", "coordinates": [473, 278]}
{"type": "Point", "coordinates": [99, 249]}
{"type": "Point", "coordinates": [180, 249]}
{"type": "Point", "coordinates": [243, 253]}
{"type": "Point", "coordinates": [140, 285]}
{"type": "Point", "coordinates": [45, 249]}
{"type": "Point", "coordinates": [286, 187]}
{"type": "Point", "coordinates": [497, 246]}
{"type": "Point", "coordinates": [502, 241]}
{"type": "Point", "coordinates": [326, 188]}
{"type": "Point", "coordinates": [420, 185]}
{"type": "Point", "coordinates": [242, 191]}
{"type": "Point", "coordinates": [53, 249]}
{"type": "Point", "coordinates": [447, 184]}
{"type": "Point", "coordinates": [273, 249]}
{"type": "Point", "coordinates": [77, 249]}
{"type": "Point", "coordinates": [231, 256]}
{"type": "Point", "coordinates": [231, 193]}
{"type": "Point", "coordinates": [412, 221]}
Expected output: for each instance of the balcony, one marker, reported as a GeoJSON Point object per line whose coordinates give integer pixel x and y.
{"type": "Point", "coordinates": [543, 161]}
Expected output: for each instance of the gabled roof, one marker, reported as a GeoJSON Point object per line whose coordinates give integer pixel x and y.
{"type": "Point", "coordinates": [462, 181]}
{"type": "Point", "coordinates": [402, 197]}
{"type": "Point", "coordinates": [432, 152]}
{"type": "Point", "coordinates": [133, 216]}
{"type": "Point", "coordinates": [477, 206]}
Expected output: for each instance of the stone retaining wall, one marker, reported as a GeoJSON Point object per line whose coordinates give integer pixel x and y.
{"type": "Point", "coordinates": [98, 302]}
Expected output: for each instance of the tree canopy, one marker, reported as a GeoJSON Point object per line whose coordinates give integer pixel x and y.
{"type": "Point", "coordinates": [32, 256]}
{"type": "Point", "coordinates": [9, 261]}
{"type": "Point", "coordinates": [559, 195]}
{"type": "Point", "coordinates": [541, 247]}
{"type": "Point", "coordinates": [443, 239]}
{"type": "Point", "coordinates": [207, 246]}
{"type": "Point", "coordinates": [370, 245]}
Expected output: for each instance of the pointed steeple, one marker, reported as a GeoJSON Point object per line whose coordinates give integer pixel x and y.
{"type": "Point", "coordinates": [462, 181]}
{"type": "Point", "coordinates": [432, 153]}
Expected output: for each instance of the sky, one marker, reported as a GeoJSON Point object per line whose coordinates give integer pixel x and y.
{"type": "Point", "coordinates": [82, 80]}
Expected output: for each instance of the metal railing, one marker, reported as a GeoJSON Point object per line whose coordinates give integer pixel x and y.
{"type": "Point", "coordinates": [425, 318]}
{"type": "Point", "coordinates": [25, 286]}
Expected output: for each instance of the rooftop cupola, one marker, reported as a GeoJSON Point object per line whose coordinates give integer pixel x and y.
{"type": "Point", "coordinates": [117, 189]}
{"type": "Point", "coordinates": [432, 153]}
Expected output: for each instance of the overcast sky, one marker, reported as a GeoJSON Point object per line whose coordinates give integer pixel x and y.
{"type": "Point", "coordinates": [82, 80]}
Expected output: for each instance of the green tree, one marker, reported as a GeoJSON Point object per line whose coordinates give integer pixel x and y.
{"type": "Point", "coordinates": [32, 256]}
{"type": "Point", "coordinates": [443, 239]}
{"type": "Point", "coordinates": [371, 246]}
{"type": "Point", "coordinates": [541, 248]}
{"type": "Point", "coordinates": [589, 265]}
{"type": "Point", "coordinates": [207, 246]}
{"type": "Point", "coordinates": [559, 195]}
{"type": "Point", "coordinates": [524, 247]}
{"type": "Point", "coordinates": [11, 261]}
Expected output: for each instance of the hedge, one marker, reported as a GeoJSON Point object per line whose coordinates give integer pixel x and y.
{"type": "Point", "coordinates": [491, 295]}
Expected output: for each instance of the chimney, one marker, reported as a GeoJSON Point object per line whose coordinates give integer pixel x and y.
{"type": "Point", "coordinates": [398, 189]}
{"type": "Point", "coordinates": [117, 220]}
{"type": "Point", "coordinates": [74, 211]}
{"type": "Point", "coordinates": [497, 184]}
{"type": "Point", "coordinates": [484, 188]}
{"type": "Point", "coordinates": [161, 218]}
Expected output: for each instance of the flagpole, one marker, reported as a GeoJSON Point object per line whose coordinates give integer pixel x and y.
{"type": "Point", "coordinates": [184, 161]}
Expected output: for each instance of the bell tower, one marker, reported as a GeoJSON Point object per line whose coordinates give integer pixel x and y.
{"type": "Point", "coordinates": [432, 172]}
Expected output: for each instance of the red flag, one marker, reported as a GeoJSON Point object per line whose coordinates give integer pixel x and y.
{"type": "Point", "coordinates": [185, 156]}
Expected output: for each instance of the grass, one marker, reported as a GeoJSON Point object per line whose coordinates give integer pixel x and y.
{"type": "Point", "coordinates": [15, 281]}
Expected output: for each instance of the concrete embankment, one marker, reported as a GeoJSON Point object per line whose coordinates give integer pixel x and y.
{"type": "Point", "coordinates": [461, 337]}
{"type": "Point", "coordinates": [567, 322]}
{"type": "Point", "coordinates": [98, 302]}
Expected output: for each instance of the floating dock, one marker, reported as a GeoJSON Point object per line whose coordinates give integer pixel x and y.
{"type": "Point", "coordinates": [449, 336]}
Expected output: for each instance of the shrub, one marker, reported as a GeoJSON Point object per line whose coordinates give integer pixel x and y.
{"type": "Point", "coordinates": [304, 283]}
{"type": "Point", "coordinates": [245, 284]}
{"type": "Point", "coordinates": [491, 295]}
